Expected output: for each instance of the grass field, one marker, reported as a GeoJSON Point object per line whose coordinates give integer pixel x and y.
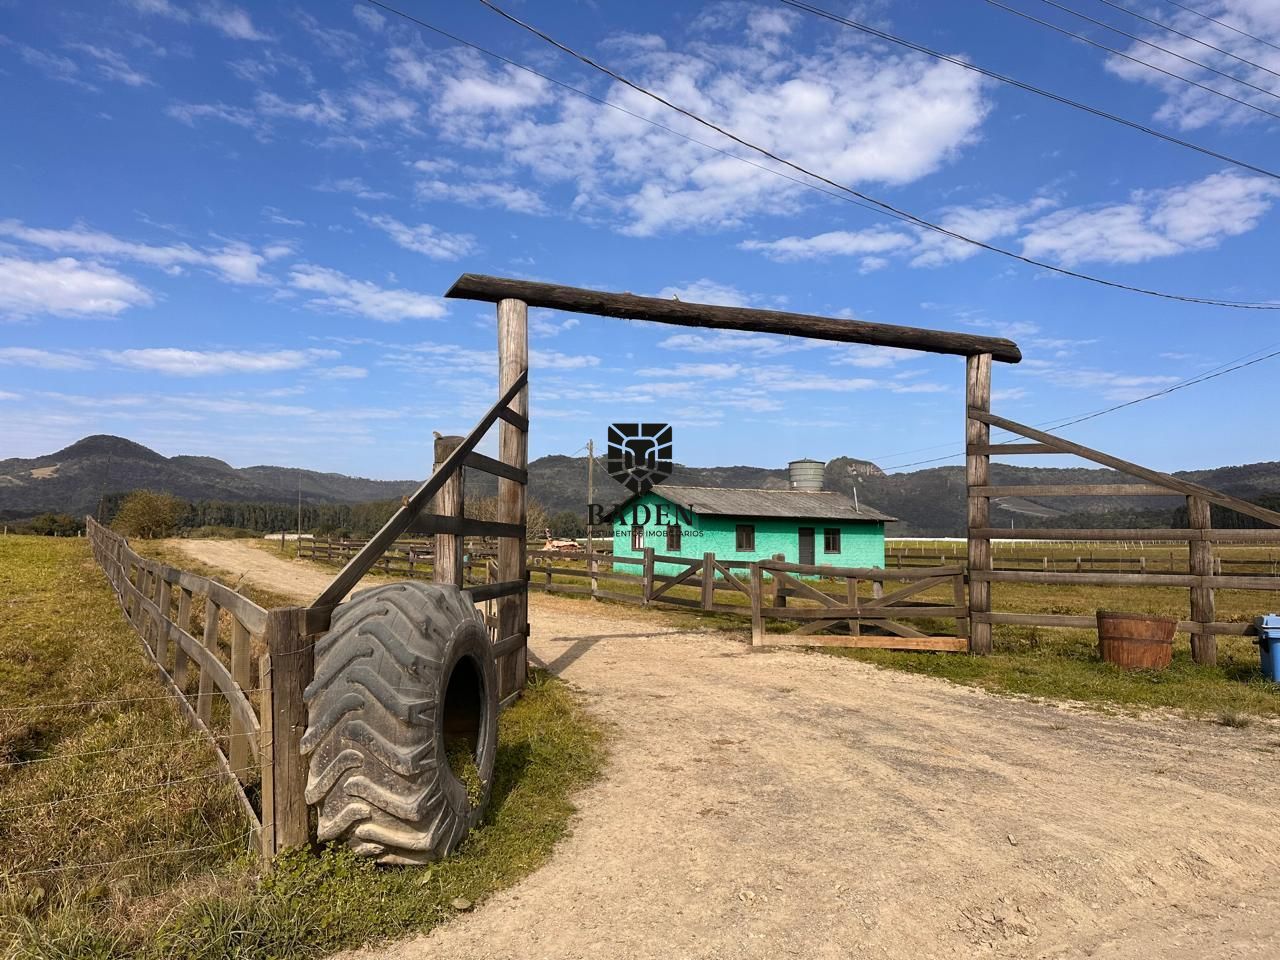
{"type": "Point", "coordinates": [117, 839]}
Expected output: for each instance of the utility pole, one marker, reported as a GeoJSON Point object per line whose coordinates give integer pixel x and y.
{"type": "Point", "coordinates": [299, 541]}
{"type": "Point", "coordinates": [591, 492]}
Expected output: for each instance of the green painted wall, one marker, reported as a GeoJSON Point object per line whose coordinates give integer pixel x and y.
{"type": "Point", "coordinates": [861, 543]}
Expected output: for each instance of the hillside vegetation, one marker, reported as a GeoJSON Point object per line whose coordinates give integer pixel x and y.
{"type": "Point", "coordinates": [76, 480]}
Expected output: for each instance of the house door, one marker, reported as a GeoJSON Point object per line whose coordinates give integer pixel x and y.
{"type": "Point", "coordinates": [806, 544]}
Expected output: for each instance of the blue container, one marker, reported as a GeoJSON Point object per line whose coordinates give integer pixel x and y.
{"type": "Point", "coordinates": [1269, 645]}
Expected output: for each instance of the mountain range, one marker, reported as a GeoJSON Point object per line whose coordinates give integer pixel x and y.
{"type": "Point", "coordinates": [926, 502]}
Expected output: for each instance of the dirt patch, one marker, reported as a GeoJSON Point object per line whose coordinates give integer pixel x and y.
{"type": "Point", "coordinates": [786, 804]}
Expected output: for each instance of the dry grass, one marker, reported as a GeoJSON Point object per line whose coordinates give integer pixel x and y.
{"type": "Point", "coordinates": [99, 788]}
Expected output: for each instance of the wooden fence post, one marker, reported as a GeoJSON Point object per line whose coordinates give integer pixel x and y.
{"type": "Point", "coordinates": [240, 672]}
{"type": "Point", "coordinates": [447, 555]}
{"type": "Point", "coordinates": [757, 602]}
{"type": "Point", "coordinates": [289, 667]}
{"type": "Point", "coordinates": [647, 586]}
{"type": "Point", "coordinates": [1204, 645]}
{"type": "Point", "coordinates": [708, 580]}
{"type": "Point", "coordinates": [513, 450]}
{"type": "Point", "coordinates": [977, 469]}
{"type": "Point", "coordinates": [204, 691]}
{"type": "Point", "coordinates": [593, 564]}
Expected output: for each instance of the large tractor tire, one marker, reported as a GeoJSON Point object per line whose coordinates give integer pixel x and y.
{"type": "Point", "coordinates": [405, 674]}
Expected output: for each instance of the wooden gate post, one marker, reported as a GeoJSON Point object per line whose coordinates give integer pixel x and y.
{"type": "Point", "coordinates": [513, 450]}
{"type": "Point", "coordinates": [286, 670]}
{"type": "Point", "coordinates": [977, 470]}
{"type": "Point", "coordinates": [1204, 645]}
{"type": "Point", "coordinates": [708, 581]}
{"type": "Point", "coordinates": [447, 561]}
{"type": "Point", "coordinates": [646, 588]}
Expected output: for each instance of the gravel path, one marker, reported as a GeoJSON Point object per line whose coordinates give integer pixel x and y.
{"type": "Point", "coordinates": [790, 804]}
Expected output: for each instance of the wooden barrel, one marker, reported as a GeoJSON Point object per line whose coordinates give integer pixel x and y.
{"type": "Point", "coordinates": [1136, 641]}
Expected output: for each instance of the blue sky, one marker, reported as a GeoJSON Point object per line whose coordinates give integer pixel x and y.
{"type": "Point", "coordinates": [225, 229]}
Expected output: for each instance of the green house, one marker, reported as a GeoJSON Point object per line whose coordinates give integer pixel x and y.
{"type": "Point", "coordinates": [804, 526]}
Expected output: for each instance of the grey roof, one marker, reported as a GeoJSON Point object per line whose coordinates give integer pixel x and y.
{"type": "Point", "coordinates": [738, 502]}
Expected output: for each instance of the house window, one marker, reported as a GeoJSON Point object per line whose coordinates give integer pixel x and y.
{"type": "Point", "coordinates": [637, 537]}
{"type": "Point", "coordinates": [673, 538]}
{"type": "Point", "coordinates": [831, 540]}
{"type": "Point", "coordinates": [746, 537]}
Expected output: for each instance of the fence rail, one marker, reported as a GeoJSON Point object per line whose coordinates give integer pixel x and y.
{"type": "Point", "coordinates": [237, 677]}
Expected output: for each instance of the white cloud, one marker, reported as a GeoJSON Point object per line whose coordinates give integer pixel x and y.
{"type": "Point", "coordinates": [235, 262]}
{"type": "Point", "coordinates": [1189, 107]}
{"type": "Point", "coordinates": [369, 18]}
{"type": "Point", "coordinates": [1108, 384]}
{"type": "Point", "coordinates": [1154, 223]}
{"type": "Point", "coordinates": [65, 287]}
{"type": "Point", "coordinates": [346, 372]}
{"type": "Point", "coordinates": [43, 359]}
{"type": "Point", "coordinates": [196, 363]}
{"type": "Point", "coordinates": [233, 21]}
{"type": "Point", "coordinates": [113, 66]}
{"type": "Point", "coordinates": [352, 185]}
{"type": "Point", "coordinates": [701, 371]}
{"type": "Point", "coordinates": [877, 246]}
{"type": "Point", "coordinates": [842, 243]}
{"type": "Point", "coordinates": [50, 64]}
{"type": "Point", "coordinates": [323, 111]}
{"type": "Point", "coordinates": [7, 395]}
{"type": "Point", "coordinates": [554, 360]}
{"type": "Point", "coordinates": [856, 114]}
{"type": "Point", "coordinates": [423, 238]}
{"type": "Point", "coordinates": [189, 113]}
{"type": "Point", "coordinates": [339, 292]}
{"type": "Point", "coordinates": [737, 342]}
{"type": "Point", "coordinates": [508, 196]}
{"type": "Point", "coordinates": [706, 291]}
{"type": "Point", "coordinates": [163, 8]}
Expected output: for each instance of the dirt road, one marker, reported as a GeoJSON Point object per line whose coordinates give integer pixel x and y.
{"type": "Point", "coordinates": [796, 805]}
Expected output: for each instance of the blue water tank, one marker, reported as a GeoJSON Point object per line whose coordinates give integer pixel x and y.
{"type": "Point", "coordinates": [1269, 645]}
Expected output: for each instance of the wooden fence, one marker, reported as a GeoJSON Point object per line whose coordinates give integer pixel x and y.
{"type": "Point", "coordinates": [239, 682]}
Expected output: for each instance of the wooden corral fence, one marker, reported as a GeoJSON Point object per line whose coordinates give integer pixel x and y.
{"type": "Point", "coordinates": [238, 682]}
{"type": "Point", "coordinates": [765, 590]}
{"type": "Point", "coordinates": [1202, 576]}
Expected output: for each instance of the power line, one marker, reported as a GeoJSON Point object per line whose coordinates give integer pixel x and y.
{"type": "Point", "coordinates": [97, 753]}
{"type": "Point", "coordinates": [1221, 23]}
{"type": "Point", "coordinates": [1029, 88]}
{"type": "Point", "coordinates": [880, 205]}
{"type": "Point", "coordinates": [1194, 39]}
{"type": "Point", "coordinates": [1194, 381]}
{"type": "Point", "coordinates": [112, 793]}
{"type": "Point", "coordinates": [1155, 46]}
{"type": "Point", "coordinates": [1138, 60]}
{"type": "Point", "coordinates": [144, 856]}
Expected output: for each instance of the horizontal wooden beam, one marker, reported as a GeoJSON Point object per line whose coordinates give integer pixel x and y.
{"type": "Point", "coordinates": [860, 573]}
{"type": "Point", "coordinates": [472, 286]}
{"type": "Point", "coordinates": [1099, 533]}
{"type": "Point", "coordinates": [1176, 484]}
{"type": "Point", "coordinates": [866, 642]}
{"type": "Point", "coordinates": [1007, 449]}
{"type": "Point", "coordinates": [495, 468]}
{"type": "Point", "coordinates": [491, 591]}
{"type": "Point", "coordinates": [1074, 490]}
{"type": "Point", "coordinates": [1090, 622]}
{"type": "Point", "coordinates": [861, 613]}
{"type": "Point", "coordinates": [468, 527]}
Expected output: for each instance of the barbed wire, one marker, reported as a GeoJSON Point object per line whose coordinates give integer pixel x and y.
{"type": "Point", "coordinates": [113, 793]}
{"type": "Point", "coordinates": [144, 856]}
